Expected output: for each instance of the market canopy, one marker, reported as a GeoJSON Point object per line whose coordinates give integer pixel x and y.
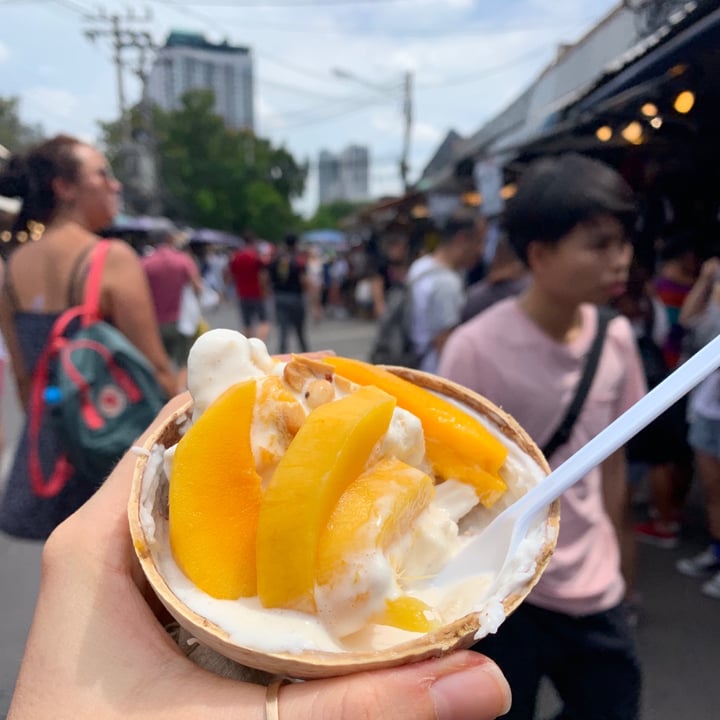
{"type": "Point", "coordinates": [325, 236]}
{"type": "Point", "coordinates": [208, 236]}
{"type": "Point", "coordinates": [140, 224]}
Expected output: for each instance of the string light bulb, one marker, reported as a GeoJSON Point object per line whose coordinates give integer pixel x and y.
{"type": "Point", "coordinates": [604, 133]}
{"type": "Point", "coordinates": [684, 102]}
{"type": "Point", "coordinates": [649, 109]}
{"type": "Point", "coordinates": [508, 191]}
{"type": "Point", "coordinates": [471, 199]}
{"type": "Point", "coordinates": [632, 132]}
{"type": "Point", "coordinates": [420, 211]}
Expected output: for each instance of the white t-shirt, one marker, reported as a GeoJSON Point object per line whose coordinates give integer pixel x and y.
{"type": "Point", "coordinates": [437, 300]}
{"type": "Point", "coordinates": [705, 399]}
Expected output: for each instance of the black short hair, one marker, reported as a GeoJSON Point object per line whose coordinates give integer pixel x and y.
{"type": "Point", "coordinates": [459, 221]}
{"type": "Point", "coordinates": [556, 194]}
{"type": "Point", "coordinates": [291, 240]}
{"type": "Point", "coordinates": [676, 243]}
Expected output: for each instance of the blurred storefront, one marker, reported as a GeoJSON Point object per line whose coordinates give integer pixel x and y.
{"type": "Point", "coordinates": [637, 91]}
{"type": "Point", "coordinates": [654, 116]}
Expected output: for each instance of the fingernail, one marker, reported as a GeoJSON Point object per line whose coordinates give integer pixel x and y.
{"type": "Point", "coordinates": [477, 693]}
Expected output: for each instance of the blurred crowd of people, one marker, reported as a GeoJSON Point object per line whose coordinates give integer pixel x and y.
{"type": "Point", "coordinates": [517, 324]}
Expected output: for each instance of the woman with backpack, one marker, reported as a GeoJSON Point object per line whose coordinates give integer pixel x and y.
{"type": "Point", "coordinates": [68, 194]}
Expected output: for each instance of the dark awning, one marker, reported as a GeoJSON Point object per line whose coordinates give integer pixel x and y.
{"type": "Point", "coordinates": [659, 57]}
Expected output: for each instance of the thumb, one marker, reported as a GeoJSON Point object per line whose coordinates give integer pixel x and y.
{"type": "Point", "coordinates": [461, 686]}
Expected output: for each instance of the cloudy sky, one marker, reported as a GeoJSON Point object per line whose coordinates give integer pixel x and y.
{"type": "Point", "coordinates": [469, 58]}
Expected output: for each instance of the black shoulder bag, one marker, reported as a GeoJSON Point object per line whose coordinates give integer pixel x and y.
{"type": "Point", "coordinates": [564, 430]}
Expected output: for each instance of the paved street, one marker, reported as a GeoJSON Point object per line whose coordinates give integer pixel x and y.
{"type": "Point", "coordinates": [678, 634]}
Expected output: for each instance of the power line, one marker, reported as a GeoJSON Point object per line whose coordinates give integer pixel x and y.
{"type": "Point", "coordinates": [72, 5]}
{"type": "Point", "coordinates": [332, 116]}
{"type": "Point", "coordinates": [215, 25]}
{"type": "Point", "coordinates": [313, 73]}
{"type": "Point", "coordinates": [299, 90]}
{"type": "Point", "coordinates": [487, 72]}
{"type": "Point", "coordinates": [189, 12]}
{"type": "Point", "coordinates": [287, 3]}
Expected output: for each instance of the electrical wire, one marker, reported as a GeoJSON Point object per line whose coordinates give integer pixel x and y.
{"type": "Point", "coordinates": [215, 25]}
{"type": "Point", "coordinates": [288, 3]}
{"type": "Point", "coordinates": [75, 7]}
{"type": "Point", "coordinates": [486, 72]}
{"type": "Point", "coordinates": [315, 74]}
{"type": "Point", "coordinates": [332, 116]}
{"type": "Point", "coordinates": [299, 90]}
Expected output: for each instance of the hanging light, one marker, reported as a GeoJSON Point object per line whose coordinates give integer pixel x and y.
{"type": "Point", "coordinates": [508, 191]}
{"type": "Point", "coordinates": [656, 122]}
{"type": "Point", "coordinates": [677, 70]}
{"type": "Point", "coordinates": [420, 211]}
{"type": "Point", "coordinates": [471, 199]}
{"type": "Point", "coordinates": [604, 133]}
{"type": "Point", "coordinates": [632, 132]}
{"type": "Point", "coordinates": [649, 109]}
{"type": "Point", "coordinates": [684, 101]}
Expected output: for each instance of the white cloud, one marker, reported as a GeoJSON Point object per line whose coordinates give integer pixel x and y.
{"type": "Point", "coordinates": [52, 102]}
{"type": "Point", "coordinates": [425, 133]}
{"type": "Point", "coordinates": [4, 52]}
{"type": "Point", "coordinates": [469, 59]}
{"type": "Point", "coordinates": [268, 118]}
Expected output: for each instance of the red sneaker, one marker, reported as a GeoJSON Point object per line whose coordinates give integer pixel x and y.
{"type": "Point", "coordinates": [661, 534]}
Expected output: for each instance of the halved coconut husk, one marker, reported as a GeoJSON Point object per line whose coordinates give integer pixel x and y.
{"type": "Point", "coordinates": [152, 487]}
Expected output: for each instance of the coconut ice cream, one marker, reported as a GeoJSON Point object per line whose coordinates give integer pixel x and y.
{"type": "Point", "coordinates": [341, 495]}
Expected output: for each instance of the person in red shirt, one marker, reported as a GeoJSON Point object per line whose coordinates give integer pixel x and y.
{"type": "Point", "coordinates": [168, 270]}
{"type": "Point", "coordinates": [250, 275]}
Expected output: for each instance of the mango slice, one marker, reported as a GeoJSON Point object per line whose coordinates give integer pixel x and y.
{"type": "Point", "coordinates": [449, 464]}
{"type": "Point", "coordinates": [214, 498]}
{"type": "Point", "coordinates": [454, 439]}
{"type": "Point", "coordinates": [329, 451]}
{"type": "Point", "coordinates": [407, 613]}
{"type": "Point", "coordinates": [378, 507]}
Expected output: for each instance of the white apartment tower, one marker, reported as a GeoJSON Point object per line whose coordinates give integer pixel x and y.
{"type": "Point", "coordinates": [344, 176]}
{"type": "Point", "coordinates": [188, 61]}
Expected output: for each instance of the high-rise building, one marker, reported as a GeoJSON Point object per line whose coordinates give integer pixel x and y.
{"type": "Point", "coordinates": [354, 172]}
{"type": "Point", "coordinates": [344, 176]}
{"type": "Point", "coordinates": [328, 177]}
{"type": "Point", "coordinates": [188, 61]}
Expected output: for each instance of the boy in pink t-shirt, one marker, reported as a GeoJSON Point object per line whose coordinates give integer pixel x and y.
{"type": "Point", "coordinates": [570, 222]}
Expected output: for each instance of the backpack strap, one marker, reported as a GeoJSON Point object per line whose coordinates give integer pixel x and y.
{"type": "Point", "coordinates": [63, 470]}
{"type": "Point", "coordinates": [88, 312]}
{"type": "Point", "coordinates": [10, 291]}
{"type": "Point", "coordinates": [91, 302]}
{"type": "Point", "coordinates": [73, 296]}
{"type": "Point", "coordinates": [564, 430]}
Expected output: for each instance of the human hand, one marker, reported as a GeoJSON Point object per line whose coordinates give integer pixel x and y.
{"type": "Point", "coordinates": [710, 269]}
{"type": "Point", "coordinates": [97, 649]}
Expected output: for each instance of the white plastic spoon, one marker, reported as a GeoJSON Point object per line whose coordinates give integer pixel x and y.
{"type": "Point", "coordinates": [492, 550]}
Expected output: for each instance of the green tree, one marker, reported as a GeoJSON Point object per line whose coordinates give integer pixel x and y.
{"type": "Point", "coordinates": [16, 135]}
{"type": "Point", "coordinates": [216, 177]}
{"type": "Point", "coordinates": [330, 214]}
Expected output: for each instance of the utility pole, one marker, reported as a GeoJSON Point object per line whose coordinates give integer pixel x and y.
{"type": "Point", "coordinates": [137, 171]}
{"type": "Point", "coordinates": [123, 36]}
{"type": "Point", "coordinates": [407, 112]}
{"type": "Point", "coordinates": [408, 116]}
